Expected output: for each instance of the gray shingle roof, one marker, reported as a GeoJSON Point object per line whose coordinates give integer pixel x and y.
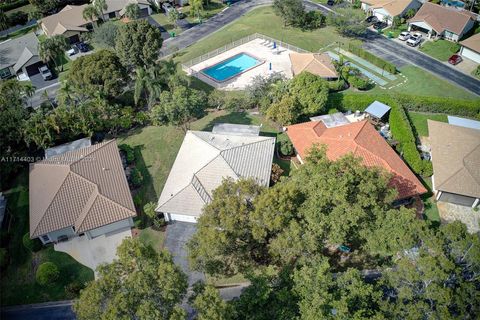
{"type": "Point", "coordinates": [16, 52]}
{"type": "Point", "coordinates": [204, 160]}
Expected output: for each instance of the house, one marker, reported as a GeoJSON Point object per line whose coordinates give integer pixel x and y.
{"type": "Point", "coordinates": [456, 162]}
{"type": "Point", "coordinates": [205, 159]}
{"type": "Point", "coordinates": [19, 57]}
{"type": "Point", "coordinates": [315, 63]}
{"type": "Point", "coordinates": [386, 10]}
{"type": "Point", "coordinates": [81, 192]}
{"type": "Point", "coordinates": [360, 139]}
{"type": "Point", "coordinates": [377, 110]}
{"type": "Point", "coordinates": [116, 8]}
{"type": "Point", "coordinates": [68, 22]}
{"type": "Point", "coordinates": [442, 22]}
{"type": "Point", "coordinates": [471, 48]}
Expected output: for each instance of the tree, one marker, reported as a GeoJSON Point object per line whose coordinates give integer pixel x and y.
{"type": "Point", "coordinates": [90, 13]}
{"type": "Point", "coordinates": [132, 11]}
{"type": "Point", "coordinates": [100, 6]}
{"type": "Point", "coordinates": [148, 85]}
{"type": "Point", "coordinates": [3, 21]}
{"type": "Point", "coordinates": [47, 273]}
{"type": "Point", "coordinates": [32, 245]}
{"type": "Point", "coordinates": [210, 306]}
{"type": "Point", "coordinates": [105, 35]}
{"type": "Point", "coordinates": [149, 210]}
{"type": "Point", "coordinates": [196, 8]}
{"type": "Point", "coordinates": [53, 49]}
{"type": "Point", "coordinates": [348, 22]}
{"type": "Point", "coordinates": [35, 15]}
{"type": "Point", "coordinates": [138, 44]}
{"type": "Point", "coordinates": [292, 12]}
{"type": "Point", "coordinates": [140, 284]}
{"type": "Point", "coordinates": [99, 73]}
{"type": "Point", "coordinates": [286, 111]}
{"type": "Point", "coordinates": [173, 16]}
{"type": "Point", "coordinates": [44, 6]}
{"type": "Point", "coordinates": [410, 13]}
{"type": "Point", "coordinates": [311, 92]}
{"type": "Point", "coordinates": [179, 107]}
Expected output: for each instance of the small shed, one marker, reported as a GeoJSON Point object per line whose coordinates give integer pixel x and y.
{"type": "Point", "coordinates": [236, 129]}
{"type": "Point", "coordinates": [378, 110]}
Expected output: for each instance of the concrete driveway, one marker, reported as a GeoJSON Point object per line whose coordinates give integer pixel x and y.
{"type": "Point", "coordinates": [450, 212]}
{"type": "Point", "coordinates": [94, 252]}
{"type": "Point", "coordinates": [39, 83]}
{"type": "Point", "coordinates": [178, 234]}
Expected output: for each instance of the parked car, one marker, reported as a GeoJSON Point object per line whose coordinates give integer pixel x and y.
{"type": "Point", "coordinates": [167, 7]}
{"type": "Point", "coordinates": [330, 2]}
{"type": "Point", "coordinates": [455, 59]}
{"type": "Point", "coordinates": [404, 36]}
{"type": "Point", "coordinates": [73, 50]}
{"type": "Point", "coordinates": [82, 47]}
{"type": "Point", "coordinates": [372, 19]}
{"type": "Point", "coordinates": [379, 25]}
{"type": "Point", "coordinates": [45, 72]}
{"type": "Point", "coordinates": [414, 40]}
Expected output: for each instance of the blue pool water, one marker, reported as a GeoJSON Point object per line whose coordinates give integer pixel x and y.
{"type": "Point", "coordinates": [231, 67]}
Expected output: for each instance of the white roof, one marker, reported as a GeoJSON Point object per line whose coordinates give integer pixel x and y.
{"type": "Point", "coordinates": [462, 122]}
{"type": "Point", "coordinates": [202, 162]}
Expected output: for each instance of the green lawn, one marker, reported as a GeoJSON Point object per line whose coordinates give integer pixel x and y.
{"type": "Point", "coordinates": [440, 49]}
{"type": "Point", "coordinates": [419, 121]}
{"type": "Point", "coordinates": [213, 7]}
{"type": "Point", "coordinates": [265, 21]}
{"type": "Point", "coordinates": [396, 32]}
{"type": "Point", "coordinates": [18, 284]}
{"type": "Point", "coordinates": [431, 211]}
{"type": "Point", "coordinates": [153, 238]}
{"type": "Point", "coordinates": [162, 19]}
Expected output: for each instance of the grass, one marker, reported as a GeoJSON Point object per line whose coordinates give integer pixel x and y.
{"type": "Point", "coordinates": [440, 49]}
{"type": "Point", "coordinates": [162, 19]}
{"type": "Point", "coordinates": [225, 281]}
{"type": "Point", "coordinates": [396, 32]}
{"type": "Point", "coordinates": [153, 238]}
{"type": "Point", "coordinates": [209, 11]}
{"type": "Point", "coordinates": [419, 121]}
{"type": "Point", "coordinates": [18, 285]}
{"type": "Point", "coordinates": [265, 21]}
{"type": "Point", "coordinates": [431, 211]}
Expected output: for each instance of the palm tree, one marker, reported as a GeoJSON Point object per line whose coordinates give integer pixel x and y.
{"type": "Point", "coordinates": [196, 8]}
{"type": "Point", "coordinates": [132, 11]}
{"type": "Point", "coordinates": [52, 49]}
{"type": "Point", "coordinates": [89, 13]}
{"type": "Point", "coordinates": [100, 6]}
{"type": "Point", "coordinates": [147, 84]}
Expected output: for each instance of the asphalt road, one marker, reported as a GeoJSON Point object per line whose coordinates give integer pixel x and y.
{"type": "Point", "coordinates": [61, 310]}
{"type": "Point", "coordinates": [394, 52]}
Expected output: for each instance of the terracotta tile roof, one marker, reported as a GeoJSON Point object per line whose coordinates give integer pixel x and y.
{"type": "Point", "coordinates": [441, 18]}
{"type": "Point", "coordinates": [84, 188]}
{"type": "Point", "coordinates": [362, 140]}
{"type": "Point", "coordinates": [69, 18]}
{"type": "Point", "coordinates": [472, 43]}
{"type": "Point", "coordinates": [394, 7]}
{"type": "Point", "coordinates": [455, 158]}
{"type": "Point", "coordinates": [315, 63]}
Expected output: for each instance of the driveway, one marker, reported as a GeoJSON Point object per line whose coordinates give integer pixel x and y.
{"type": "Point", "coordinates": [153, 22]}
{"type": "Point", "coordinates": [450, 212]}
{"type": "Point", "coordinates": [92, 253]}
{"type": "Point", "coordinates": [39, 83]}
{"type": "Point", "coordinates": [178, 234]}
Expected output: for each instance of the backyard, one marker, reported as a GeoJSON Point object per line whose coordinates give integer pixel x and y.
{"type": "Point", "coordinates": [20, 271]}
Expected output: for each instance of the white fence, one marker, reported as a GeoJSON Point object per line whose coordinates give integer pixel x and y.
{"type": "Point", "coordinates": [237, 43]}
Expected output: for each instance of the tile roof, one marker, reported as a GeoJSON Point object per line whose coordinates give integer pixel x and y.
{"type": "Point", "coordinates": [17, 51]}
{"type": "Point", "coordinates": [362, 140]}
{"type": "Point", "coordinates": [393, 7]}
{"type": "Point", "coordinates": [84, 188]}
{"type": "Point", "coordinates": [472, 43]}
{"type": "Point", "coordinates": [204, 160]}
{"type": "Point", "coordinates": [441, 18]}
{"type": "Point", "coordinates": [315, 63]}
{"type": "Point", "coordinates": [455, 158]}
{"type": "Point", "coordinates": [69, 18]}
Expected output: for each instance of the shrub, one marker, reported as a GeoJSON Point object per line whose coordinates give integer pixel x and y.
{"type": "Point", "coordinates": [72, 290]}
{"type": "Point", "coordinates": [427, 169]}
{"type": "Point", "coordinates": [47, 273]}
{"type": "Point", "coordinates": [32, 245]}
{"type": "Point", "coordinates": [3, 257]}
{"type": "Point", "coordinates": [385, 65]}
{"type": "Point", "coordinates": [286, 148]}
{"type": "Point", "coordinates": [476, 73]}
{"type": "Point", "coordinates": [129, 152]}
{"type": "Point", "coordinates": [358, 82]}
{"type": "Point", "coordinates": [10, 5]}
{"type": "Point", "coordinates": [136, 177]}
{"type": "Point", "coordinates": [352, 101]}
{"type": "Point", "coordinates": [313, 20]}
{"type": "Point", "coordinates": [276, 173]}
{"type": "Point", "coordinates": [336, 85]}
{"type": "Point", "coordinates": [17, 18]}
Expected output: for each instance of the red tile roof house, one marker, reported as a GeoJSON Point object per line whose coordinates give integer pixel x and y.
{"type": "Point", "coordinates": [362, 140]}
{"type": "Point", "coordinates": [442, 22]}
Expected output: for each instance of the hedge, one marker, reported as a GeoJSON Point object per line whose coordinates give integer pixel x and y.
{"type": "Point", "coordinates": [13, 5]}
{"type": "Point", "coordinates": [385, 65]}
{"type": "Point", "coordinates": [348, 101]}
{"type": "Point", "coordinates": [451, 106]}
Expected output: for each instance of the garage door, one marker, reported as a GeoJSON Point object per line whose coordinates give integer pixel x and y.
{"type": "Point", "coordinates": [33, 68]}
{"type": "Point", "coordinates": [470, 54]}
{"type": "Point", "coordinates": [143, 12]}
{"type": "Point", "coordinates": [74, 39]}
{"type": "Point", "coordinates": [180, 217]}
{"type": "Point", "coordinates": [457, 199]}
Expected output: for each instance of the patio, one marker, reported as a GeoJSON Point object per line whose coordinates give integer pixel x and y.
{"type": "Point", "coordinates": [94, 252]}
{"type": "Point", "coordinates": [450, 212]}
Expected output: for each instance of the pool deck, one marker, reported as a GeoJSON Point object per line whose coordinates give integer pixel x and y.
{"type": "Point", "coordinates": [258, 48]}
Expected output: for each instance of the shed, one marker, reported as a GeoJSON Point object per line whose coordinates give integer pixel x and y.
{"type": "Point", "coordinates": [378, 110]}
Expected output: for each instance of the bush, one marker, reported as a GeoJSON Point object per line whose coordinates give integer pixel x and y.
{"type": "Point", "coordinates": [32, 245]}
{"type": "Point", "coordinates": [352, 101]}
{"type": "Point", "coordinates": [313, 20]}
{"type": "Point", "coordinates": [286, 148]}
{"type": "Point", "coordinates": [336, 85]}
{"type": "Point", "coordinates": [427, 169]}
{"type": "Point", "coordinates": [72, 290]}
{"type": "Point", "coordinates": [17, 18]}
{"type": "Point", "coordinates": [136, 177]}
{"type": "Point", "coordinates": [47, 273]}
{"type": "Point", "coordinates": [276, 173]}
{"type": "Point", "coordinates": [358, 82]}
{"type": "Point", "coordinates": [129, 152]}
{"type": "Point", "coordinates": [7, 6]}
{"type": "Point", "coordinates": [3, 257]}
{"type": "Point", "coordinates": [476, 73]}
{"type": "Point", "coordinates": [385, 65]}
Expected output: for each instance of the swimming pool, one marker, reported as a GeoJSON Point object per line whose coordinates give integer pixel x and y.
{"type": "Point", "coordinates": [231, 67]}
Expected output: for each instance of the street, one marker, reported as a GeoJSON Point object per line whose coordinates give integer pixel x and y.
{"type": "Point", "coordinates": [59, 310]}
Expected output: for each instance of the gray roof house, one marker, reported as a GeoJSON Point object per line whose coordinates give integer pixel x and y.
{"type": "Point", "coordinates": [204, 160]}
{"type": "Point", "coordinates": [117, 8]}
{"type": "Point", "coordinates": [19, 55]}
